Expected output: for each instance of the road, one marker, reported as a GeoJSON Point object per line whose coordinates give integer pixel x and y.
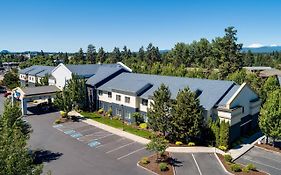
{"type": "Point", "coordinates": [2, 100]}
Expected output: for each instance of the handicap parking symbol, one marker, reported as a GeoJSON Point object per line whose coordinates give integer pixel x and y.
{"type": "Point", "coordinates": [58, 126]}
{"type": "Point", "coordinates": [69, 132]}
{"type": "Point", "coordinates": [76, 135]}
{"type": "Point", "coordinates": [94, 144]}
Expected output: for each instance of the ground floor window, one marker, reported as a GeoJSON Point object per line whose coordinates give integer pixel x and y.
{"type": "Point", "coordinates": [127, 115]}
{"type": "Point", "coordinates": [118, 112]}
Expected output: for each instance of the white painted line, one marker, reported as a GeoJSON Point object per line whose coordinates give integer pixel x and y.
{"type": "Point", "coordinates": [111, 142]}
{"type": "Point", "coordinates": [262, 164]}
{"type": "Point", "coordinates": [120, 147]}
{"type": "Point", "coordinates": [196, 164]}
{"type": "Point", "coordinates": [130, 153]}
{"type": "Point", "coordinates": [104, 136]}
{"type": "Point", "coordinates": [96, 133]}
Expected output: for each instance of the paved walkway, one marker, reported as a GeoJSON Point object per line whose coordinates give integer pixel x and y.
{"type": "Point", "coordinates": [247, 144]}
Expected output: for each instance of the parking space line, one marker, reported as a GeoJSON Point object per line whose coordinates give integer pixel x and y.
{"type": "Point", "coordinates": [102, 137]}
{"type": "Point", "coordinates": [130, 153]}
{"type": "Point", "coordinates": [111, 142]}
{"type": "Point", "coordinates": [262, 164]}
{"type": "Point", "coordinates": [120, 147]}
{"type": "Point", "coordinates": [196, 164]}
{"type": "Point", "coordinates": [69, 132]}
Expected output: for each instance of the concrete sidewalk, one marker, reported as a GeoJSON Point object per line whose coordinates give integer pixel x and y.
{"type": "Point", "coordinates": [245, 146]}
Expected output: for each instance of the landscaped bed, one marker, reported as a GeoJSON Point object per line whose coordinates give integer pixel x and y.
{"type": "Point", "coordinates": [133, 129]}
{"type": "Point", "coordinates": [269, 147]}
{"type": "Point", "coordinates": [151, 164]}
{"type": "Point", "coordinates": [243, 169]}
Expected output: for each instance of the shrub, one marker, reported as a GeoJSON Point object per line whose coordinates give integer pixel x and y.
{"type": "Point", "coordinates": [235, 168]}
{"type": "Point", "coordinates": [109, 112]}
{"type": "Point", "coordinates": [100, 111]}
{"type": "Point", "coordinates": [163, 166]}
{"type": "Point", "coordinates": [57, 121]}
{"type": "Point", "coordinates": [143, 125]}
{"type": "Point", "coordinates": [178, 143]}
{"type": "Point", "coordinates": [116, 118]}
{"type": "Point", "coordinates": [251, 167]}
{"type": "Point", "coordinates": [227, 158]}
{"type": "Point", "coordinates": [245, 170]}
{"type": "Point", "coordinates": [63, 114]}
{"type": "Point", "coordinates": [223, 148]}
{"type": "Point", "coordinates": [191, 144]}
{"type": "Point", "coordinates": [145, 160]}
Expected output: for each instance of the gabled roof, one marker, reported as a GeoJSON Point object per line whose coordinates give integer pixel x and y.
{"type": "Point", "coordinates": [37, 70]}
{"type": "Point", "coordinates": [143, 85]}
{"type": "Point", "coordinates": [88, 70]}
{"type": "Point", "coordinates": [228, 95]}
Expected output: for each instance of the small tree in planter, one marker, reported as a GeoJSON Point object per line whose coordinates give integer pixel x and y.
{"type": "Point", "coordinates": [158, 144]}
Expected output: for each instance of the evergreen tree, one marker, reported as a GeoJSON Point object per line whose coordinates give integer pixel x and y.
{"type": "Point", "coordinates": [159, 114]}
{"type": "Point", "coordinates": [115, 55]}
{"type": "Point", "coordinates": [224, 134]}
{"type": "Point", "coordinates": [187, 117]}
{"type": "Point", "coordinates": [101, 57]}
{"type": "Point", "coordinates": [91, 54]}
{"type": "Point", "coordinates": [270, 120]}
{"type": "Point", "coordinates": [14, 156]}
{"type": "Point", "coordinates": [269, 85]}
{"type": "Point", "coordinates": [141, 54]}
{"type": "Point", "coordinates": [65, 58]}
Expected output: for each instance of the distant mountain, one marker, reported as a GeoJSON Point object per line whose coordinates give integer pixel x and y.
{"type": "Point", "coordinates": [264, 49]}
{"type": "Point", "coordinates": [4, 51]}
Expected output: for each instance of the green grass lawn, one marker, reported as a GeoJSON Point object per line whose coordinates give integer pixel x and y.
{"type": "Point", "coordinates": [117, 124]}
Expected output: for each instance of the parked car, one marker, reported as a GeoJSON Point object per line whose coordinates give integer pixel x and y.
{"type": "Point", "coordinates": [6, 94]}
{"type": "Point", "coordinates": [2, 89]}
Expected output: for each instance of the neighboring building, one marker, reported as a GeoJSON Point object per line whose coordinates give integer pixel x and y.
{"type": "Point", "coordinates": [32, 75]}
{"type": "Point", "coordinates": [256, 69]}
{"type": "Point", "coordinates": [130, 92]}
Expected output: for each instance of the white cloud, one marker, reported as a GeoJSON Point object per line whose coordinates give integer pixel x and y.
{"type": "Point", "coordinates": [255, 45]}
{"type": "Point", "coordinates": [273, 45]}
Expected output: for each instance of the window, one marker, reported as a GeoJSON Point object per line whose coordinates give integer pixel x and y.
{"type": "Point", "coordinates": [118, 112]}
{"type": "Point", "coordinates": [127, 115]}
{"type": "Point", "coordinates": [100, 92]}
{"type": "Point", "coordinates": [118, 97]}
{"type": "Point", "coordinates": [127, 99]}
{"type": "Point", "coordinates": [144, 102]}
{"type": "Point", "coordinates": [109, 95]}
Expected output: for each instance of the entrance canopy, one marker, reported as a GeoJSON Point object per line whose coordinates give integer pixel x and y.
{"type": "Point", "coordinates": [28, 94]}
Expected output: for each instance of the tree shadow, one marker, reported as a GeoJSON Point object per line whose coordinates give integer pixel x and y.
{"type": "Point", "coordinates": [41, 156]}
{"type": "Point", "coordinates": [175, 162]}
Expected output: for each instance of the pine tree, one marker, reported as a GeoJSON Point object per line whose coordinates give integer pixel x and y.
{"type": "Point", "coordinates": [115, 55]}
{"type": "Point", "coordinates": [65, 58]}
{"type": "Point", "coordinates": [91, 54]}
{"type": "Point", "coordinates": [187, 117]}
{"type": "Point", "coordinates": [270, 120]}
{"type": "Point", "coordinates": [141, 54]}
{"type": "Point", "coordinates": [14, 156]}
{"type": "Point", "coordinates": [159, 114]}
{"type": "Point", "coordinates": [101, 57]}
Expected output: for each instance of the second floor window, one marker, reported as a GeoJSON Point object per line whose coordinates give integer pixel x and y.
{"type": "Point", "coordinates": [118, 97]}
{"type": "Point", "coordinates": [127, 99]}
{"type": "Point", "coordinates": [109, 95]}
{"type": "Point", "coordinates": [100, 92]}
{"type": "Point", "coordinates": [144, 102]}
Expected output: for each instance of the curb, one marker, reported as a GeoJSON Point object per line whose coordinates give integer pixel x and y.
{"type": "Point", "coordinates": [223, 167]}
{"type": "Point", "coordinates": [146, 169]}
{"type": "Point", "coordinates": [267, 150]}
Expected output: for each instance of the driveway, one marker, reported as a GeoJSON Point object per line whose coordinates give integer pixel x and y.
{"type": "Point", "coordinates": [2, 100]}
{"type": "Point", "coordinates": [197, 164]}
{"type": "Point", "coordinates": [266, 161]}
{"type": "Point", "coordinates": [77, 148]}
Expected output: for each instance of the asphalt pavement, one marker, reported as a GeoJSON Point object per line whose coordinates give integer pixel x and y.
{"type": "Point", "coordinates": [2, 100]}
{"type": "Point", "coordinates": [266, 161]}
{"type": "Point", "coordinates": [77, 148]}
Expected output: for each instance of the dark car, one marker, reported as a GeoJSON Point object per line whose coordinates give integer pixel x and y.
{"type": "Point", "coordinates": [7, 94]}
{"type": "Point", "coordinates": [2, 89]}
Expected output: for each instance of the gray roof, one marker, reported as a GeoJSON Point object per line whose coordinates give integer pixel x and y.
{"type": "Point", "coordinates": [103, 73]}
{"type": "Point", "coordinates": [257, 68]}
{"type": "Point", "coordinates": [88, 70]}
{"type": "Point", "coordinates": [37, 70]}
{"type": "Point", "coordinates": [228, 95]}
{"type": "Point", "coordinates": [143, 85]}
{"type": "Point", "coordinates": [40, 90]}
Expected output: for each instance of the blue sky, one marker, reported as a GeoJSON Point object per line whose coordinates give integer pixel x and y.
{"type": "Point", "coordinates": [67, 25]}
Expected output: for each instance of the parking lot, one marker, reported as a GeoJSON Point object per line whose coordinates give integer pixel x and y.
{"type": "Point", "coordinates": [266, 161]}
{"type": "Point", "coordinates": [66, 152]}
{"type": "Point", "coordinates": [100, 140]}
{"type": "Point", "coordinates": [197, 164]}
